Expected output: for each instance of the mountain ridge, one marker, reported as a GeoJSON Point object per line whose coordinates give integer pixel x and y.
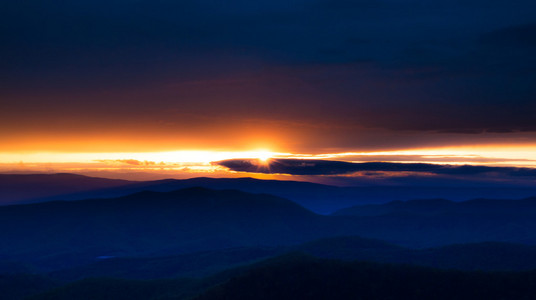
{"type": "Point", "coordinates": [320, 198]}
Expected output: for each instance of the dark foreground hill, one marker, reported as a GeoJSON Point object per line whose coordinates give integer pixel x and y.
{"type": "Point", "coordinates": [486, 256]}
{"type": "Point", "coordinates": [490, 256]}
{"type": "Point", "coordinates": [296, 276]}
{"type": "Point", "coordinates": [19, 286]}
{"type": "Point", "coordinates": [122, 289]}
{"type": "Point", "coordinates": [196, 265]}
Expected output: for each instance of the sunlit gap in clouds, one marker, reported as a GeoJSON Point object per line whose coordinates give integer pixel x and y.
{"type": "Point", "coordinates": [499, 155]}
{"type": "Point", "coordinates": [147, 159]}
{"type": "Point", "coordinates": [201, 161]}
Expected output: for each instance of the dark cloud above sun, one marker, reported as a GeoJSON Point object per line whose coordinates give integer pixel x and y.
{"type": "Point", "coordinates": [334, 72]}
{"type": "Point", "coordinates": [377, 173]}
{"type": "Point", "coordinates": [330, 167]}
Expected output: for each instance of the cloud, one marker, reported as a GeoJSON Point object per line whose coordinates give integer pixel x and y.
{"type": "Point", "coordinates": [288, 166]}
{"type": "Point", "coordinates": [132, 162]}
{"type": "Point", "coordinates": [396, 65]}
{"type": "Point", "coordinates": [325, 167]}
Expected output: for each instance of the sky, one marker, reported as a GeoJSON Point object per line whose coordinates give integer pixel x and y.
{"type": "Point", "coordinates": [176, 86]}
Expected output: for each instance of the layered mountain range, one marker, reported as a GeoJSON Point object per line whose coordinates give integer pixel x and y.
{"type": "Point", "coordinates": [182, 242]}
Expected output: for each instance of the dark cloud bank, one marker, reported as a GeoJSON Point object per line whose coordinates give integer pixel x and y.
{"type": "Point", "coordinates": [327, 167]}
{"type": "Point", "coordinates": [447, 66]}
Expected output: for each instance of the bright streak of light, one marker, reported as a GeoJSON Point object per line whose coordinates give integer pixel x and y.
{"type": "Point", "coordinates": [514, 155]}
{"type": "Point", "coordinates": [172, 157]}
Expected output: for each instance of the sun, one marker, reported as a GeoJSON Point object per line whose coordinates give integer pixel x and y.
{"type": "Point", "coordinates": [264, 155]}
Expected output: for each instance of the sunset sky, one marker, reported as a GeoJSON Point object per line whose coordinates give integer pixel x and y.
{"type": "Point", "coordinates": [157, 89]}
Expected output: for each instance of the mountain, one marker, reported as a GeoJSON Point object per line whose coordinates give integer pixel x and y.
{"type": "Point", "coordinates": [298, 276]}
{"type": "Point", "coordinates": [208, 262]}
{"type": "Point", "coordinates": [20, 188]}
{"type": "Point", "coordinates": [119, 289]}
{"type": "Point", "coordinates": [64, 234]}
{"type": "Point", "coordinates": [59, 234]}
{"type": "Point", "coordinates": [435, 223]}
{"type": "Point", "coordinates": [316, 197]}
{"type": "Point", "coordinates": [196, 264]}
{"type": "Point", "coordinates": [485, 256]}
{"type": "Point", "coordinates": [19, 285]}
{"type": "Point", "coordinates": [438, 222]}
{"type": "Point", "coordinates": [488, 256]}
{"type": "Point", "coordinates": [441, 207]}
{"type": "Point", "coordinates": [412, 206]}
{"type": "Point", "coordinates": [319, 198]}
{"type": "Point", "coordinates": [302, 277]}
{"type": "Point", "coordinates": [350, 248]}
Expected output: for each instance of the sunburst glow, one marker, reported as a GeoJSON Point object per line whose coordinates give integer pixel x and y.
{"type": "Point", "coordinates": [185, 156]}
{"type": "Point", "coordinates": [264, 155]}
{"type": "Point", "coordinates": [201, 161]}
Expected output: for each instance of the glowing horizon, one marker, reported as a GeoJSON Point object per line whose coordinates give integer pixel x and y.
{"type": "Point", "coordinates": [180, 156]}
{"type": "Point", "coordinates": [512, 155]}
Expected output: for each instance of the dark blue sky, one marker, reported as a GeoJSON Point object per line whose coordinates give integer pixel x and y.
{"type": "Point", "coordinates": [286, 69]}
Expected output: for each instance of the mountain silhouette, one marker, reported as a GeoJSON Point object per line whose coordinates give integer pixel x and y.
{"type": "Point", "coordinates": [441, 207]}
{"type": "Point", "coordinates": [198, 264]}
{"type": "Point", "coordinates": [319, 198]}
{"type": "Point", "coordinates": [63, 234]}
{"type": "Point", "coordinates": [301, 277]}
{"type": "Point", "coordinates": [488, 256]}
{"type": "Point", "coordinates": [67, 233]}
{"type": "Point", "coordinates": [432, 223]}
{"type": "Point", "coordinates": [21, 188]}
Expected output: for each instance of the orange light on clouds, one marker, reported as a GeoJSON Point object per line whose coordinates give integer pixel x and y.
{"type": "Point", "coordinates": [503, 154]}
{"type": "Point", "coordinates": [173, 157]}
{"type": "Point", "coordinates": [191, 163]}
